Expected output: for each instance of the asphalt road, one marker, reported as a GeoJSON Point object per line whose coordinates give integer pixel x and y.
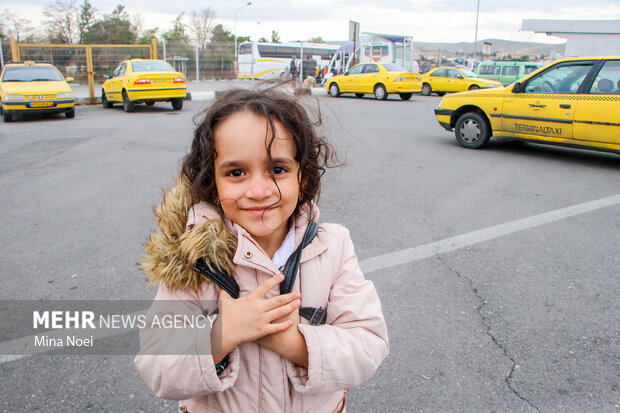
{"type": "Point", "coordinates": [498, 269]}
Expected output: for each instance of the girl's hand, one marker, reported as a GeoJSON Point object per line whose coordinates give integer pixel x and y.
{"type": "Point", "coordinates": [253, 316]}
{"type": "Point", "coordinates": [289, 343]}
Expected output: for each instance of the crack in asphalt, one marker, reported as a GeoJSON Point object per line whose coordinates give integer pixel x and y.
{"type": "Point", "coordinates": [487, 327]}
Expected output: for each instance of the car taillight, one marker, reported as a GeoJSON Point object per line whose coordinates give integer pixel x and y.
{"type": "Point", "coordinates": [142, 82]}
{"type": "Point", "coordinates": [179, 80]}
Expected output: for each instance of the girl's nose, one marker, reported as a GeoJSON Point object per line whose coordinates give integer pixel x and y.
{"type": "Point", "coordinates": [261, 187]}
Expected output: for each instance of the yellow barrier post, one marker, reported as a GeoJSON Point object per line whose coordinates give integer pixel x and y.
{"type": "Point", "coordinates": [90, 73]}
{"type": "Point", "coordinates": [14, 50]}
{"type": "Point", "coordinates": [153, 48]}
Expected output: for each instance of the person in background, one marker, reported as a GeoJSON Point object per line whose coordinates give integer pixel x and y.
{"type": "Point", "coordinates": [293, 67]}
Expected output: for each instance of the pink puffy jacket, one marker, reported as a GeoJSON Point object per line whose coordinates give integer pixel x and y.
{"type": "Point", "coordinates": [343, 353]}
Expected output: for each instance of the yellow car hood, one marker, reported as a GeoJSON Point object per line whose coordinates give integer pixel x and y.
{"type": "Point", "coordinates": [33, 88]}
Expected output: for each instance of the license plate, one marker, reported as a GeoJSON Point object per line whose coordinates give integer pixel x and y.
{"type": "Point", "coordinates": [41, 104]}
{"type": "Point", "coordinates": [162, 81]}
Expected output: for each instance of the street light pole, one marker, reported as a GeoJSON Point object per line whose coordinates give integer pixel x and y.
{"type": "Point", "coordinates": [476, 37]}
{"type": "Point", "coordinates": [236, 11]}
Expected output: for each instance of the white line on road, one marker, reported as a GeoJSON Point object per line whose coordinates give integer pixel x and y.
{"type": "Point", "coordinates": [429, 250]}
{"type": "Point", "coordinates": [465, 240]}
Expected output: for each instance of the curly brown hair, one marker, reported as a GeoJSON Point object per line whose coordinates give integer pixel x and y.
{"type": "Point", "coordinates": [313, 153]}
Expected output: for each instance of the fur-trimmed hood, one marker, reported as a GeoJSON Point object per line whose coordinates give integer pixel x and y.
{"type": "Point", "coordinates": [172, 250]}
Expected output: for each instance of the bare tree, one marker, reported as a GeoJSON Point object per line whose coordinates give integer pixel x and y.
{"type": "Point", "coordinates": [200, 23]}
{"type": "Point", "coordinates": [14, 25]}
{"type": "Point", "coordinates": [62, 23]}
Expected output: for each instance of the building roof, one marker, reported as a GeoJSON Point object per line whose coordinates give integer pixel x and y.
{"type": "Point", "coordinates": [571, 26]}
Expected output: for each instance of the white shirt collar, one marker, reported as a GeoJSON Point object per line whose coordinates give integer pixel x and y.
{"type": "Point", "coordinates": [285, 250]}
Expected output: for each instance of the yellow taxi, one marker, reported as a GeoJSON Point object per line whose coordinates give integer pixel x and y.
{"type": "Point", "coordinates": [380, 79]}
{"type": "Point", "coordinates": [143, 81]}
{"type": "Point", "coordinates": [453, 79]}
{"type": "Point", "coordinates": [573, 102]}
{"type": "Point", "coordinates": [33, 87]}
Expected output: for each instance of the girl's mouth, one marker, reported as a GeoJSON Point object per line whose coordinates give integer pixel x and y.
{"type": "Point", "coordinates": [258, 210]}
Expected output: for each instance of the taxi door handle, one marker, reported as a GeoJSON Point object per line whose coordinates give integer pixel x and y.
{"type": "Point", "coordinates": [537, 106]}
{"type": "Point", "coordinates": [565, 106]}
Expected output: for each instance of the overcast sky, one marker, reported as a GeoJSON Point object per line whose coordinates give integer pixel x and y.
{"type": "Point", "coordinates": [425, 20]}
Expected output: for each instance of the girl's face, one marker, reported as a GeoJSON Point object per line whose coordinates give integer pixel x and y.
{"type": "Point", "coordinates": [245, 181]}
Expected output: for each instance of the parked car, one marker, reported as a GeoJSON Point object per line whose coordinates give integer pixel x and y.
{"type": "Point", "coordinates": [451, 79]}
{"type": "Point", "coordinates": [143, 81]}
{"type": "Point", "coordinates": [505, 71]}
{"type": "Point", "coordinates": [380, 79]}
{"type": "Point", "coordinates": [33, 87]}
{"type": "Point", "coordinates": [573, 102]}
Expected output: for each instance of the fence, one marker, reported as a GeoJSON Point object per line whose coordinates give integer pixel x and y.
{"type": "Point", "coordinates": [89, 63]}
{"type": "Point", "coordinates": [215, 61]}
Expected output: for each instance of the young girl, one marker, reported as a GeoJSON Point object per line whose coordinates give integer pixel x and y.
{"type": "Point", "coordinates": [254, 169]}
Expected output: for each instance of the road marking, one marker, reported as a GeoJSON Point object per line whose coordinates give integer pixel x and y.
{"type": "Point", "coordinates": [471, 238]}
{"type": "Point", "coordinates": [428, 250]}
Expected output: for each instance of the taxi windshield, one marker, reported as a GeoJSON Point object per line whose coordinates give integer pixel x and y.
{"type": "Point", "coordinates": [468, 73]}
{"type": "Point", "coordinates": [31, 74]}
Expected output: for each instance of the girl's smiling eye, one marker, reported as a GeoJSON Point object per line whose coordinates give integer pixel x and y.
{"type": "Point", "coordinates": [235, 173]}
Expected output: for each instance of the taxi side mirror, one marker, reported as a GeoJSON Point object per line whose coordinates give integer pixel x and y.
{"type": "Point", "coordinates": [69, 79]}
{"type": "Point", "coordinates": [106, 76]}
{"type": "Point", "coordinates": [517, 88]}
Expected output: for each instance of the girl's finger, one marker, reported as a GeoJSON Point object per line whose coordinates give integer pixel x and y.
{"type": "Point", "coordinates": [280, 300]}
{"type": "Point", "coordinates": [277, 327]}
{"type": "Point", "coordinates": [284, 310]}
{"type": "Point", "coordinates": [265, 287]}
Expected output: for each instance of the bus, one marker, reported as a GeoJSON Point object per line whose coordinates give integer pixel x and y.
{"type": "Point", "coordinates": [381, 48]}
{"type": "Point", "coordinates": [260, 60]}
{"type": "Point", "coordinates": [506, 71]}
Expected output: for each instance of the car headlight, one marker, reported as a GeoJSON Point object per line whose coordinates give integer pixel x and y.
{"type": "Point", "coordinates": [440, 103]}
{"type": "Point", "coordinates": [66, 95]}
{"type": "Point", "coordinates": [400, 79]}
{"type": "Point", "coordinates": [13, 97]}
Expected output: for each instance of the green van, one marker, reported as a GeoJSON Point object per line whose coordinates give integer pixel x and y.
{"type": "Point", "coordinates": [505, 71]}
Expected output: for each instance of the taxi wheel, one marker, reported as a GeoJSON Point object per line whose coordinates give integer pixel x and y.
{"type": "Point", "coordinates": [405, 96]}
{"type": "Point", "coordinates": [104, 101]}
{"type": "Point", "coordinates": [359, 95]}
{"type": "Point", "coordinates": [334, 90]}
{"type": "Point", "coordinates": [426, 89]}
{"type": "Point", "coordinates": [6, 116]}
{"type": "Point", "coordinates": [128, 105]}
{"type": "Point", "coordinates": [474, 87]}
{"type": "Point", "coordinates": [177, 104]}
{"type": "Point", "coordinates": [380, 92]}
{"type": "Point", "coordinates": [472, 131]}
{"type": "Point", "coordinates": [70, 114]}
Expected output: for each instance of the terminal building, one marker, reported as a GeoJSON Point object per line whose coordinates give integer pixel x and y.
{"type": "Point", "coordinates": [583, 37]}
